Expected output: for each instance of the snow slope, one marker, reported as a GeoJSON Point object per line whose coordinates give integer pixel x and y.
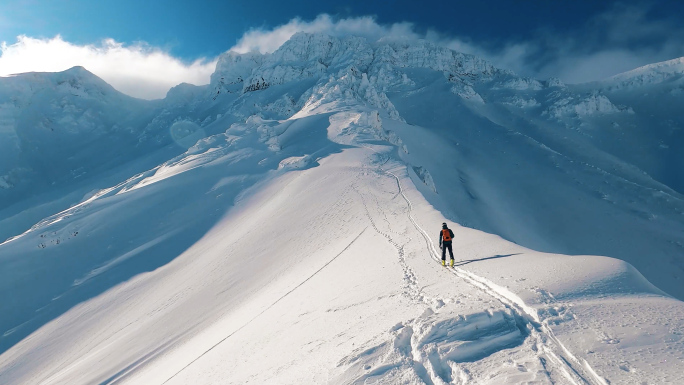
{"type": "Point", "coordinates": [65, 135]}
{"type": "Point", "coordinates": [355, 296]}
{"type": "Point", "coordinates": [544, 185]}
{"type": "Point", "coordinates": [295, 242]}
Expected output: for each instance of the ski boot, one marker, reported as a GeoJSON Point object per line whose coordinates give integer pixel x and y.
{"type": "Point", "coordinates": [443, 262]}
{"type": "Point", "coordinates": [452, 262]}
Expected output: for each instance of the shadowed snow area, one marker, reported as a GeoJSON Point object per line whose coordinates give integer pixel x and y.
{"type": "Point", "coordinates": [280, 224]}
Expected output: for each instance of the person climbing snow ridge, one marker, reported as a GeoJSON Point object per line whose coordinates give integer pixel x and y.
{"type": "Point", "coordinates": [445, 237]}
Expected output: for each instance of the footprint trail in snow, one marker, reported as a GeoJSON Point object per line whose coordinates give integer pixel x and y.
{"type": "Point", "coordinates": [447, 345]}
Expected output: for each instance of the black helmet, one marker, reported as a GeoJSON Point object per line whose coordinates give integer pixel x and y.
{"type": "Point", "coordinates": [444, 225]}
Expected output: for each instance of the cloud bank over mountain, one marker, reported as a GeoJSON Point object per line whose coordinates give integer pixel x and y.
{"type": "Point", "coordinates": [268, 40]}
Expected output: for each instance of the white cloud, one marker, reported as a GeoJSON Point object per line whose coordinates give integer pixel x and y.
{"type": "Point", "coordinates": [264, 40]}
{"type": "Point", "coordinates": [137, 70]}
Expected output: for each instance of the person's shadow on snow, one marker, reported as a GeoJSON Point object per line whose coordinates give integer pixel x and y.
{"type": "Point", "coordinates": [467, 261]}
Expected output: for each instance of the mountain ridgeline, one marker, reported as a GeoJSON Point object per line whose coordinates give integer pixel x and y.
{"type": "Point", "coordinates": [576, 169]}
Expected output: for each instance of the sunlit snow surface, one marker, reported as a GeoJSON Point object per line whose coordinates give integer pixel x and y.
{"type": "Point", "coordinates": [298, 245]}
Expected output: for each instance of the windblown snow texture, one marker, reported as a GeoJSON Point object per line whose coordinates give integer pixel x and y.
{"type": "Point", "coordinates": [156, 242]}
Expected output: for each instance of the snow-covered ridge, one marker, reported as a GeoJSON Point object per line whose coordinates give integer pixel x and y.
{"type": "Point", "coordinates": [581, 106]}
{"type": "Point", "coordinates": [656, 73]}
{"type": "Point", "coordinates": [423, 54]}
{"type": "Point", "coordinates": [312, 55]}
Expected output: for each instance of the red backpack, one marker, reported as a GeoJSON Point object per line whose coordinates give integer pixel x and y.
{"type": "Point", "coordinates": [446, 236]}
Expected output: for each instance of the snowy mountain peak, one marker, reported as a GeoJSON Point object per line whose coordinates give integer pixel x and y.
{"type": "Point", "coordinates": [76, 81]}
{"type": "Point", "coordinates": [305, 47]}
{"type": "Point", "coordinates": [57, 127]}
{"type": "Point", "coordinates": [78, 71]}
{"type": "Point", "coordinates": [82, 82]}
{"type": "Point", "coordinates": [317, 56]}
{"type": "Point", "coordinates": [309, 56]}
{"type": "Point", "coordinates": [322, 49]}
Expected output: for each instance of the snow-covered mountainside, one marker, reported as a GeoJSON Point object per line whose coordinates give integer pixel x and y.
{"type": "Point", "coordinates": [279, 225]}
{"type": "Point", "coordinates": [47, 115]}
{"type": "Point", "coordinates": [59, 133]}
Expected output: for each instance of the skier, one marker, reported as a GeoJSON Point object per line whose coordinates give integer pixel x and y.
{"type": "Point", "coordinates": [445, 237]}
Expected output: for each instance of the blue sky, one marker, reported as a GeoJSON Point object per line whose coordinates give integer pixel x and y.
{"type": "Point", "coordinates": [578, 40]}
{"type": "Point", "coordinates": [208, 27]}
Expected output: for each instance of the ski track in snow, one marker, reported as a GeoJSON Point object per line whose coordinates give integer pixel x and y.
{"type": "Point", "coordinates": [576, 370]}
{"type": "Point", "coordinates": [262, 312]}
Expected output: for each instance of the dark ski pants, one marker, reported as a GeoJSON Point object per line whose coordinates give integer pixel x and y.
{"type": "Point", "coordinates": [445, 246]}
